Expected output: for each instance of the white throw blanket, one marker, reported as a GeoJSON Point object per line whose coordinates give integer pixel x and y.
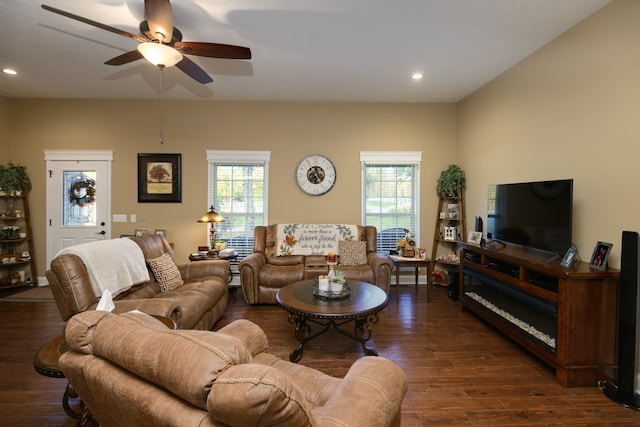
{"type": "Point", "coordinates": [313, 239]}
{"type": "Point", "coordinates": [114, 265]}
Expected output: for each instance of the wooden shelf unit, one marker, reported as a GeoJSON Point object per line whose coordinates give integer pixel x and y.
{"type": "Point", "coordinates": [442, 246]}
{"type": "Point", "coordinates": [13, 246]}
{"type": "Point", "coordinates": [577, 307]}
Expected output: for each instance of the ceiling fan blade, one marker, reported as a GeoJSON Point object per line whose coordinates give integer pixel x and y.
{"type": "Point", "coordinates": [193, 70]}
{"type": "Point", "coordinates": [214, 50]}
{"type": "Point", "coordinates": [160, 19]}
{"type": "Point", "coordinates": [125, 58]}
{"type": "Point", "coordinates": [95, 23]}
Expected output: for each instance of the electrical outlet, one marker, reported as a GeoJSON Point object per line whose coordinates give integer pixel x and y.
{"type": "Point", "coordinates": [119, 218]}
{"type": "Point", "coordinates": [133, 218]}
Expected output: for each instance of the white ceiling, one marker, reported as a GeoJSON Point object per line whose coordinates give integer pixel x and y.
{"type": "Point", "coordinates": [303, 50]}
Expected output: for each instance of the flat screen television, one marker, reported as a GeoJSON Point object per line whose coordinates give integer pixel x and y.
{"type": "Point", "coordinates": [532, 214]}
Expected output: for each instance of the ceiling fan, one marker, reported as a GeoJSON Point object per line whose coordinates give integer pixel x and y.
{"type": "Point", "coordinates": [161, 43]}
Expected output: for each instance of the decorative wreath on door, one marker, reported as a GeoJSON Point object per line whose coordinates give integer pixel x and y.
{"type": "Point", "coordinates": [82, 191]}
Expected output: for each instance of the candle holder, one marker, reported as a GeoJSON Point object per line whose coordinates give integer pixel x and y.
{"type": "Point", "coordinates": [332, 271]}
{"type": "Point", "coordinates": [323, 283]}
{"type": "Point", "coordinates": [329, 294]}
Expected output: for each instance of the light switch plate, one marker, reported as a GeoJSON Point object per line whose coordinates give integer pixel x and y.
{"type": "Point", "coordinates": [133, 218]}
{"type": "Point", "coordinates": [119, 218]}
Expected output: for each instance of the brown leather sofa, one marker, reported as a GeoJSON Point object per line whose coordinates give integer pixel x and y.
{"type": "Point", "coordinates": [263, 272]}
{"type": "Point", "coordinates": [130, 370]}
{"type": "Point", "coordinates": [197, 304]}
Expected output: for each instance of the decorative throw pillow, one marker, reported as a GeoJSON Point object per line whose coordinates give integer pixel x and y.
{"type": "Point", "coordinates": [352, 252]}
{"type": "Point", "coordinates": [166, 272]}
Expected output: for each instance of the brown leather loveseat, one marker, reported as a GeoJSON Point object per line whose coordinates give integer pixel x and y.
{"type": "Point", "coordinates": [263, 272]}
{"type": "Point", "coordinates": [131, 370]}
{"type": "Point", "coordinates": [197, 304]}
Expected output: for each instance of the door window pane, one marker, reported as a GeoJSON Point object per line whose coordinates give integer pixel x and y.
{"type": "Point", "coordinates": [79, 199]}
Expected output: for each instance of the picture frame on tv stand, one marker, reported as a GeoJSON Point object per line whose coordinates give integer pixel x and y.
{"type": "Point", "coordinates": [569, 258]}
{"type": "Point", "coordinates": [600, 256]}
{"type": "Point", "coordinates": [475, 237]}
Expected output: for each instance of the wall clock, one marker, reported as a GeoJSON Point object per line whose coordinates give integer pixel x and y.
{"type": "Point", "coordinates": [315, 175]}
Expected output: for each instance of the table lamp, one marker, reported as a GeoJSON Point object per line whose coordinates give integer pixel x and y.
{"type": "Point", "coordinates": [211, 217]}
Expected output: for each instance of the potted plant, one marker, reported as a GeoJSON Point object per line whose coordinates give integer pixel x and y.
{"type": "Point", "coordinates": [14, 179]}
{"type": "Point", "coordinates": [451, 181]}
{"type": "Point", "coordinates": [337, 282]}
{"type": "Point", "coordinates": [219, 245]}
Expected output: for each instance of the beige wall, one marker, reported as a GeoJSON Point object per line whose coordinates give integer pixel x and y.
{"type": "Point", "coordinates": [568, 111]}
{"type": "Point", "coordinates": [4, 130]}
{"type": "Point", "coordinates": [289, 130]}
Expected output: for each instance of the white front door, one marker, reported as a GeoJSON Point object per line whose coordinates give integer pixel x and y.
{"type": "Point", "coordinates": [78, 198]}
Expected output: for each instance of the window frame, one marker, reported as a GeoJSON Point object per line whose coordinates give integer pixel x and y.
{"type": "Point", "coordinates": [237, 157]}
{"type": "Point", "coordinates": [393, 158]}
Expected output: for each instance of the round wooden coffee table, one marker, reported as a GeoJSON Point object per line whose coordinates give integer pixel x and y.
{"type": "Point", "coordinates": [361, 307]}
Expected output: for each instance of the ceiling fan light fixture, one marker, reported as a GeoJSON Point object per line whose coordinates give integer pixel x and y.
{"type": "Point", "coordinates": [161, 43]}
{"type": "Point", "coordinates": [160, 54]}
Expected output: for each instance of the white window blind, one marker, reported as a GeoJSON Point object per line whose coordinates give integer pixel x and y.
{"type": "Point", "coordinates": [391, 195]}
{"type": "Point", "coordinates": [238, 191]}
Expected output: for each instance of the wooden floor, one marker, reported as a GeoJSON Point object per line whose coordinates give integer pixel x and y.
{"type": "Point", "coordinates": [461, 372]}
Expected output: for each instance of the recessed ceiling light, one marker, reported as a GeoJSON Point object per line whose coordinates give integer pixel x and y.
{"type": "Point", "coordinates": [9, 71]}
{"type": "Point", "coordinates": [416, 76]}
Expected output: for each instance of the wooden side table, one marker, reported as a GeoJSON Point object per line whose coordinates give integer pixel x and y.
{"type": "Point", "coordinates": [401, 262]}
{"type": "Point", "coordinates": [46, 362]}
{"type": "Point", "coordinates": [231, 257]}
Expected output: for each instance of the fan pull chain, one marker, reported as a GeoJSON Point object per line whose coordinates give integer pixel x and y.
{"type": "Point", "coordinates": [161, 104]}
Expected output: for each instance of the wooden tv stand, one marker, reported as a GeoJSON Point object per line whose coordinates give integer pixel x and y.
{"type": "Point", "coordinates": [566, 317]}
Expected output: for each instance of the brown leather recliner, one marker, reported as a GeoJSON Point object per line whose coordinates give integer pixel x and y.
{"type": "Point", "coordinates": [263, 272]}
{"type": "Point", "coordinates": [130, 370]}
{"type": "Point", "coordinates": [197, 304]}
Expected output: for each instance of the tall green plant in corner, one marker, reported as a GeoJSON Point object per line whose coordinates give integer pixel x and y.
{"type": "Point", "coordinates": [451, 181]}
{"type": "Point", "coordinates": [14, 179]}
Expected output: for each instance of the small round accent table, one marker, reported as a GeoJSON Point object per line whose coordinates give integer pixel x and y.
{"type": "Point", "coordinates": [46, 362]}
{"type": "Point", "coordinates": [362, 306]}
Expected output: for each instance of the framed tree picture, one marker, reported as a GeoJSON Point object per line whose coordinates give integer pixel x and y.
{"type": "Point", "coordinates": [159, 178]}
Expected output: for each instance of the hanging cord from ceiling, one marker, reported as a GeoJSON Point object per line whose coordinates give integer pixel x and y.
{"type": "Point", "coordinates": [161, 103]}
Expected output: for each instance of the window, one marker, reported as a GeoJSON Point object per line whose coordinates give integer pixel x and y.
{"type": "Point", "coordinates": [391, 194]}
{"type": "Point", "coordinates": [238, 192]}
